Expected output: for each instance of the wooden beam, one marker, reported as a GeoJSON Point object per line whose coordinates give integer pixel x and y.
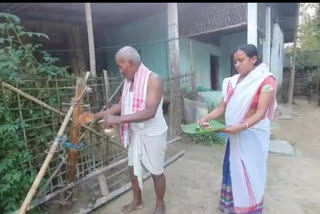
{"type": "Point", "coordinates": [78, 59]}
{"type": "Point", "coordinates": [293, 69]}
{"type": "Point", "coordinates": [90, 39]}
{"type": "Point", "coordinates": [103, 185]}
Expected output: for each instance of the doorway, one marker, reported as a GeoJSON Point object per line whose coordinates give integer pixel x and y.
{"type": "Point", "coordinates": [214, 71]}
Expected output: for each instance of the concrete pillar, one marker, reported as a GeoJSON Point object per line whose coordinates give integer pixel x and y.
{"type": "Point", "coordinates": [267, 44]}
{"type": "Point", "coordinates": [252, 24]}
{"type": "Point", "coordinates": [175, 110]}
{"type": "Point", "coordinates": [173, 35]}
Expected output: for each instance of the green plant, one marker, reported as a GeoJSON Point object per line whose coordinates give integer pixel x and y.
{"type": "Point", "coordinates": [207, 138]}
{"type": "Point", "coordinates": [20, 59]}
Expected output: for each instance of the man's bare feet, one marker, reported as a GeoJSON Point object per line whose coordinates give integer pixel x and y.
{"type": "Point", "coordinates": [160, 209]}
{"type": "Point", "coordinates": [134, 205]}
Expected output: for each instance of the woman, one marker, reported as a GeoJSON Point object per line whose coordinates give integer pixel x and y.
{"type": "Point", "coordinates": [248, 103]}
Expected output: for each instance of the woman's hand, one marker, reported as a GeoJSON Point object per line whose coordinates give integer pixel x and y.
{"type": "Point", "coordinates": [233, 129]}
{"type": "Point", "coordinates": [203, 122]}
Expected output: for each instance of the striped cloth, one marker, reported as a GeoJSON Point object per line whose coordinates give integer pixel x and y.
{"type": "Point", "coordinates": [226, 198]}
{"type": "Point", "coordinates": [139, 98]}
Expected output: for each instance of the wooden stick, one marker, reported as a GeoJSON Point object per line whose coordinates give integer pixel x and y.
{"type": "Point", "coordinates": [124, 188]}
{"type": "Point", "coordinates": [116, 91]}
{"type": "Point", "coordinates": [106, 86]}
{"type": "Point", "coordinates": [48, 159]}
{"type": "Point", "coordinates": [75, 131]}
{"type": "Point", "coordinates": [51, 177]}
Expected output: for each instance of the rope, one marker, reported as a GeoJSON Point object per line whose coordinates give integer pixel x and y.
{"type": "Point", "coordinates": [68, 145]}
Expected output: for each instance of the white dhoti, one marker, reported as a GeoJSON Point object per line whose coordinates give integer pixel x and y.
{"type": "Point", "coordinates": [147, 151]}
{"type": "Point", "coordinates": [147, 141]}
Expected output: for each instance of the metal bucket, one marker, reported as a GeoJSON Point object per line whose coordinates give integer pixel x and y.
{"type": "Point", "coordinates": [109, 131]}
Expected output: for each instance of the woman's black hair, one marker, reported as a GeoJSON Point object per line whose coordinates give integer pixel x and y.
{"type": "Point", "coordinates": [250, 50]}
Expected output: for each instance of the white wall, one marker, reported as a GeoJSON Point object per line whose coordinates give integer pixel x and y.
{"type": "Point", "coordinates": [277, 54]}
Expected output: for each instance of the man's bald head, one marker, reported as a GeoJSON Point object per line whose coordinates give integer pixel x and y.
{"type": "Point", "coordinates": [128, 60]}
{"type": "Point", "coordinates": [127, 54]}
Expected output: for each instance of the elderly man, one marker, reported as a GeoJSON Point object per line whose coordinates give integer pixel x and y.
{"type": "Point", "coordinates": [143, 129]}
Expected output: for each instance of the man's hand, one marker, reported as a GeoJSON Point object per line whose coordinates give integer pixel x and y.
{"type": "Point", "coordinates": [111, 120]}
{"type": "Point", "coordinates": [86, 117]}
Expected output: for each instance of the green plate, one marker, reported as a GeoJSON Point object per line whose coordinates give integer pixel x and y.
{"type": "Point", "coordinates": [194, 128]}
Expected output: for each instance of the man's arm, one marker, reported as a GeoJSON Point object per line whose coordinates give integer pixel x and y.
{"type": "Point", "coordinates": [115, 109]}
{"type": "Point", "coordinates": [88, 117]}
{"type": "Point", "coordinates": [154, 95]}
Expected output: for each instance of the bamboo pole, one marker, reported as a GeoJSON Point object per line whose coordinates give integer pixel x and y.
{"type": "Point", "coordinates": [106, 86]}
{"type": "Point", "coordinates": [49, 157]}
{"type": "Point", "coordinates": [18, 91]}
{"type": "Point", "coordinates": [115, 92]}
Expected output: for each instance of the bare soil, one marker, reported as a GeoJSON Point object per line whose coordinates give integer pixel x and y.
{"type": "Point", "coordinates": [193, 181]}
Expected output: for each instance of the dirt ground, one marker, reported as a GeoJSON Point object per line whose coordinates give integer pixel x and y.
{"type": "Point", "coordinates": [193, 181]}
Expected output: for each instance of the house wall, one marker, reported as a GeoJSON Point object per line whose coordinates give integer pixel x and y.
{"type": "Point", "coordinates": [148, 36]}
{"type": "Point", "coordinates": [155, 55]}
{"type": "Point", "coordinates": [199, 59]}
{"type": "Point", "coordinates": [153, 32]}
{"type": "Point", "coordinates": [228, 44]}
